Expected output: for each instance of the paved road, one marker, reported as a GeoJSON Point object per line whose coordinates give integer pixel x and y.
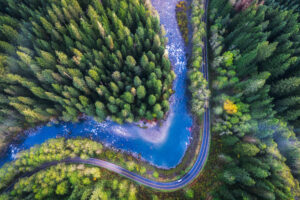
{"type": "Point", "coordinates": [167, 186]}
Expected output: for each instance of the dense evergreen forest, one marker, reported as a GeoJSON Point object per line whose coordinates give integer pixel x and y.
{"type": "Point", "coordinates": [255, 58]}
{"type": "Point", "coordinates": [63, 58]}
{"type": "Point", "coordinates": [285, 4]}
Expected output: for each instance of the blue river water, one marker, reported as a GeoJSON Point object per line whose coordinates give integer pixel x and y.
{"type": "Point", "coordinates": [163, 145]}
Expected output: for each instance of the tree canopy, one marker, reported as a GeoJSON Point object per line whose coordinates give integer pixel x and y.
{"type": "Point", "coordinates": [61, 59]}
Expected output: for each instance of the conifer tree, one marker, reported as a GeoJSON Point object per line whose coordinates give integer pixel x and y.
{"type": "Point", "coordinates": [141, 92]}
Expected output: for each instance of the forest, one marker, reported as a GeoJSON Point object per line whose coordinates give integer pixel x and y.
{"type": "Point", "coordinates": [64, 59]}
{"type": "Point", "coordinates": [66, 180]}
{"type": "Point", "coordinates": [255, 59]}
{"type": "Point", "coordinates": [52, 68]}
{"type": "Point", "coordinates": [75, 181]}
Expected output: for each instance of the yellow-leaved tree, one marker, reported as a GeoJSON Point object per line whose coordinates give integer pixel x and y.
{"type": "Point", "coordinates": [230, 107]}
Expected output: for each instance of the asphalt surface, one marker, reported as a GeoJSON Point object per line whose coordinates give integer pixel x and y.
{"type": "Point", "coordinates": [166, 186]}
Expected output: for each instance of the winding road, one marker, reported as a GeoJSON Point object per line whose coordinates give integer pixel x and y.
{"type": "Point", "coordinates": [164, 186]}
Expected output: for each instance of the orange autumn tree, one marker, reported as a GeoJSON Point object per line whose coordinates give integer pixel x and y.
{"type": "Point", "coordinates": [230, 107]}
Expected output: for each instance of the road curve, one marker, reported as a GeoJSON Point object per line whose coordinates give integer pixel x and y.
{"type": "Point", "coordinates": [165, 186]}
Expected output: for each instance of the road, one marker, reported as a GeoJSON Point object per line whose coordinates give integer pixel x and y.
{"type": "Point", "coordinates": [164, 186]}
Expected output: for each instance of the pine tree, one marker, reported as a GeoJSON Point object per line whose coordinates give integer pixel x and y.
{"type": "Point", "coordinates": [9, 33]}
{"type": "Point", "coordinates": [114, 87]}
{"type": "Point", "coordinates": [128, 97]}
{"type": "Point", "coordinates": [151, 100]}
{"type": "Point", "coordinates": [81, 85]}
{"type": "Point", "coordinates": [141, 92]}
{"type": "Point", "coordinates": [109, 42]}
{"type": "Point", "coordinates": [137, 81]}
{"type": "Point", "coordinates": [286, 86]}
{"type": "Point", "coordinates": [265, 50]}
{"type": "Point", "coordinates": [253, 85]}
{"type": "Point", "coordinates": [7, 48]}
{"type": "Point", "coordinates": [130, 61]}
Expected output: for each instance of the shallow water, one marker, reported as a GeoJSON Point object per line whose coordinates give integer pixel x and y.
{"type": "Point", "coordinates": [164, 145]}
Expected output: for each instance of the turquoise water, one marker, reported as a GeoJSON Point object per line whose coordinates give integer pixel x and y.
{"type": "Point", "coordinates": [162, 145]}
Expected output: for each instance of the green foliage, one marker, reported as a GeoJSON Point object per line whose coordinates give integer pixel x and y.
{"type": "Point", "coordinates": [285, 4]}
{"type": "Point", "coordinates": [141, 92]}
{"type": "Point", "coordinates": [200, 93]}
{"type": "Point", "coordinates": [71, 182]}
{"type": "Point", "coordinates": [182, 19]}
{"type": "Point", "coordinates": [128, 97]}
{"type": "Point", "coordinates": [269, 45]}
{"type": "Point", "coordinates": [254, 63]}
{"type": "Point", "coordinates": [189, 194]}
{"type": "Point", "coordinates": [53, 150]}
{"type": "Point", "coordinates": [71, 55]}
{"type": "Point", "coordinates": [62, 188]}
{"type": "Point", "coordinates": [198, 86]}
{"type": "Point", "coordinates": [151, 99]}
{"type": "Point", "coordinates": [155, 174]}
